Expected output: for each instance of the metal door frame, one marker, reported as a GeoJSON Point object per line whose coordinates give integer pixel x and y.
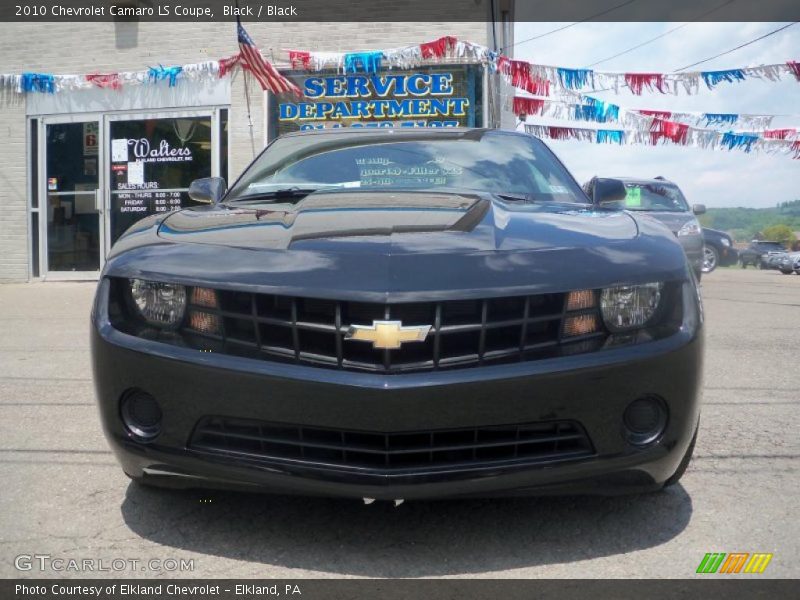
{"type": "Point", "coordinates": [100, 204]}
{"type": "Point", "coordinates": [104, 119]}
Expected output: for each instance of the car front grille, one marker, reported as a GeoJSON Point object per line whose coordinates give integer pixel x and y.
{"type": "Point", "coordinates": [463, 333]}
{"type": "Point", "coordinates": [399, 452]}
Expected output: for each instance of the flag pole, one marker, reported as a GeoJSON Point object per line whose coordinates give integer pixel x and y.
{"type": "Point", "coordinates": [246, 90]}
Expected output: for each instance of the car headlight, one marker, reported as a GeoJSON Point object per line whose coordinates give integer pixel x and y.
{"type": "Point", "coordinates": [691, 227]}
{"type": "Point", "coordinates": [725, 242]}
{"type": "Point", "coordinates": [161, 304]}
{"type": "Point", "coordinates": [629, 307]}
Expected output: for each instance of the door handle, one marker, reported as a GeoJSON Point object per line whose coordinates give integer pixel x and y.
{"type": "Point", "coordinates": [98, 201]}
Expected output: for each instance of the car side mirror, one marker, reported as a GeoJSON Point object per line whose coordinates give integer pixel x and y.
{"type": "Point", "coordinates": [699, 209]}
{"type": "Point", "coordinates": [606, 190]}
{"type": "Point", "coordinates": [208, 190]}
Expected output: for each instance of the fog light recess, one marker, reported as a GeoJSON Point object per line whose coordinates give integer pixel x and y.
{"type": "Point", "coordinates": [644, 420]}
{"type": "Point", "coordinates": [141, 415]}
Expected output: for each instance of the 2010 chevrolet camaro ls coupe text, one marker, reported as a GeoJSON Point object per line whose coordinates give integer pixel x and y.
{"type": "Point", "coordinates": [400, 314]}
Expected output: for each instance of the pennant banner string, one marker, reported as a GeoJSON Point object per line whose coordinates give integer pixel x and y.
{"type": "Point", "coordinates": [670, 133]}
{"type": "Point", "coordinates": [591, 109]}
{"type": "Point", "coordinates": [537, 79]}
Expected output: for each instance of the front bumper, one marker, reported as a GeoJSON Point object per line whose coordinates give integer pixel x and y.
{"type": "Point", "coordinates": [693, 248]}
{"type": "Point", "coordinates": [728, 256]}
{"type": "Point", "coordinates": [591, 389]}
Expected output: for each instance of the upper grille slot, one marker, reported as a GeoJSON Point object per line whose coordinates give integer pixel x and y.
{"type": "Point", "coordinates": [463, 332]}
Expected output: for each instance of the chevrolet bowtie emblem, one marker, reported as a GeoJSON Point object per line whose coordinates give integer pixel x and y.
{"type": "Point", "coordinates": [387, 335]}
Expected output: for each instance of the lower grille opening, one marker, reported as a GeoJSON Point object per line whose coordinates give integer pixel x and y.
{"type": "Point", "coordinates": [400, 452]}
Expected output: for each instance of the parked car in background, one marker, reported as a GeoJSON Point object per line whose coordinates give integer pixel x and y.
{"type": "Point", "coordinates": [718, 250]}
{"type": "Point", "coordinates": [759, 253]}
{"type": "Point", "coordinates": [788, 263]}
{"type": "Point", "coordinates": [664, 201]}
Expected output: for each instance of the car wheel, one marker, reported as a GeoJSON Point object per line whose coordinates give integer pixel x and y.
{"type": "Point", "coordinates": [742, 263]}
{"type": "Point", "coordinates": [761, 265]}
{"type": "Point", "coordinates": [687, 458]}
{"type": "Point", "coordinates": [710, 259]}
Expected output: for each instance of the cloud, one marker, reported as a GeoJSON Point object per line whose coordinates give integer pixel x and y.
{"type": "Point", "coordinates": [716, 178]}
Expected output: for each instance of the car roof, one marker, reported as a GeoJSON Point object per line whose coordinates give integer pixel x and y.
{"type": "Point", "coordinates": [645, 181]}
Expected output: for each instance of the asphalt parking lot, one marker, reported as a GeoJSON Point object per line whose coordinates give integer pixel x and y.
{"type": "Point", "coordinates": [63, 495]}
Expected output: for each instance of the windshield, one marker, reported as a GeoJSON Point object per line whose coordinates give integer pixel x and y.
{"type": "Point", "coordinates": [664, 197]}
{"type": "Point", "coordinates": [772, 246]}
{"type": "Point", "coordinates": [476, 161]}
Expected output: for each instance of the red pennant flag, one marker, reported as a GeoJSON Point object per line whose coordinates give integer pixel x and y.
{"type": "Point", "coordinates": [105, 80]}
{"type": "Point", "coordinates": [778, 134]}
{"type": "Point", "coordinates": [300, 59]}
{"type": "Point", "coordinates": [659, 114]}
{"type": "Point", "coordinates": [637, 81]}
{"type": "Point", "coordinates": [677, 133]}
{"type": "Point", "coordinates": [227, 64]}
{"type": "Point", "coordinates": [560, 133]}
{"type": "Point", "coordinates": [527, 106]}
{"type": "Point", "coordinates": [795, 67]}
{"type": "Point", "coordinates": [437, 48]}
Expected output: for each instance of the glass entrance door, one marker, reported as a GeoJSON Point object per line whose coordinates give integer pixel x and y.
{"type": "Point", "coordinates": [74, 240]}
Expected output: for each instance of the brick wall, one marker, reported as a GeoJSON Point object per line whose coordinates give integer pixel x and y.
{"type": "Point", "coordinates": [109, 47]}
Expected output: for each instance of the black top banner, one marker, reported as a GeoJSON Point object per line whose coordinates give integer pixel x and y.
{"type": "Point", "coordinates": [399, 10]}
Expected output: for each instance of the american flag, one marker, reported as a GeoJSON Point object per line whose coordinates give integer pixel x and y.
{"type": "Point", "coordinates": [253, 61]}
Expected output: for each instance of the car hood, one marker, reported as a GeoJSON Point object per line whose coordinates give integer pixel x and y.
{"type": "Point", "coordinates": [673, 220]}
{"type": "Point", "coordinates": [398, 223]}
{"type": "Point", "coordinates": [399, 247]}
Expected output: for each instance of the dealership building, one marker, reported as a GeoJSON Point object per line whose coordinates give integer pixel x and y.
{"type": "Point", "coordinates": [79, 166]}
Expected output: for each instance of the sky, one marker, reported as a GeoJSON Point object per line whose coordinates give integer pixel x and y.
{"type": "Point", "coordinates": [715, 178]}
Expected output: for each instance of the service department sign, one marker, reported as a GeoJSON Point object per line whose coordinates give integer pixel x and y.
{"type": "Point", "coordinates": [441, 96]}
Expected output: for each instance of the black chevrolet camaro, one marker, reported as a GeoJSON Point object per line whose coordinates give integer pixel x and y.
{"type": "Point", "coordinates": [400, 314]}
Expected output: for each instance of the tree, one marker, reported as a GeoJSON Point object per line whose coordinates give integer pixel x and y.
{"type": "Point", "coordinates": [780, 233]}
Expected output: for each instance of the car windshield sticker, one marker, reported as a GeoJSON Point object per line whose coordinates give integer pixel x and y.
{"type": "Point", "coordinates": [384, 172]}
{"type": "Point", "coordinates": [633, 196]}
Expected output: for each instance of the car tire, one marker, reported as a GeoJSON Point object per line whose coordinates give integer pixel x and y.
{"type": "Point", "coordinates": [710, 259]}
{"type": "Point", "coordinates": [684, 464]}
{"type": "Point", "coordinates": [742, 263]}
{"type": "Point", "coordinates": [760, 266]}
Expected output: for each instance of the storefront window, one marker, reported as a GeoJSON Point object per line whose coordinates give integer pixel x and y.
{"type": "Point", "coordinates": [152, 162]}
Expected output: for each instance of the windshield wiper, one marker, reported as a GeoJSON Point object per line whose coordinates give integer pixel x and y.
{"type": "Point", "coordinates": [279, 194]}
{"type": "Point", "coordinates": [516, 197]}
{"type": "Point", "coordinates": [534, 198]}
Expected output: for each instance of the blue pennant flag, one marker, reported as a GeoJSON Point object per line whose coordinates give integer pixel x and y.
{"type": "Point", "coordinates": [597, 110]}
{"type": "Point", "coordinates": [712, 78]}
{"type": "Point", "coordinates": [610, 136]}
{"type": "Point", "coordinates": [369, 62]}
{"type": "Point", "coordinates": [720, 118]}
{"type": "Point", "coordinates": [744, 141]}
{"type": "Point", "coordinates": [160, 72]}
{"type": "Point", "coordinates": [574, 79]}
{"type": "Point", "coordinates": [38, 82]}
